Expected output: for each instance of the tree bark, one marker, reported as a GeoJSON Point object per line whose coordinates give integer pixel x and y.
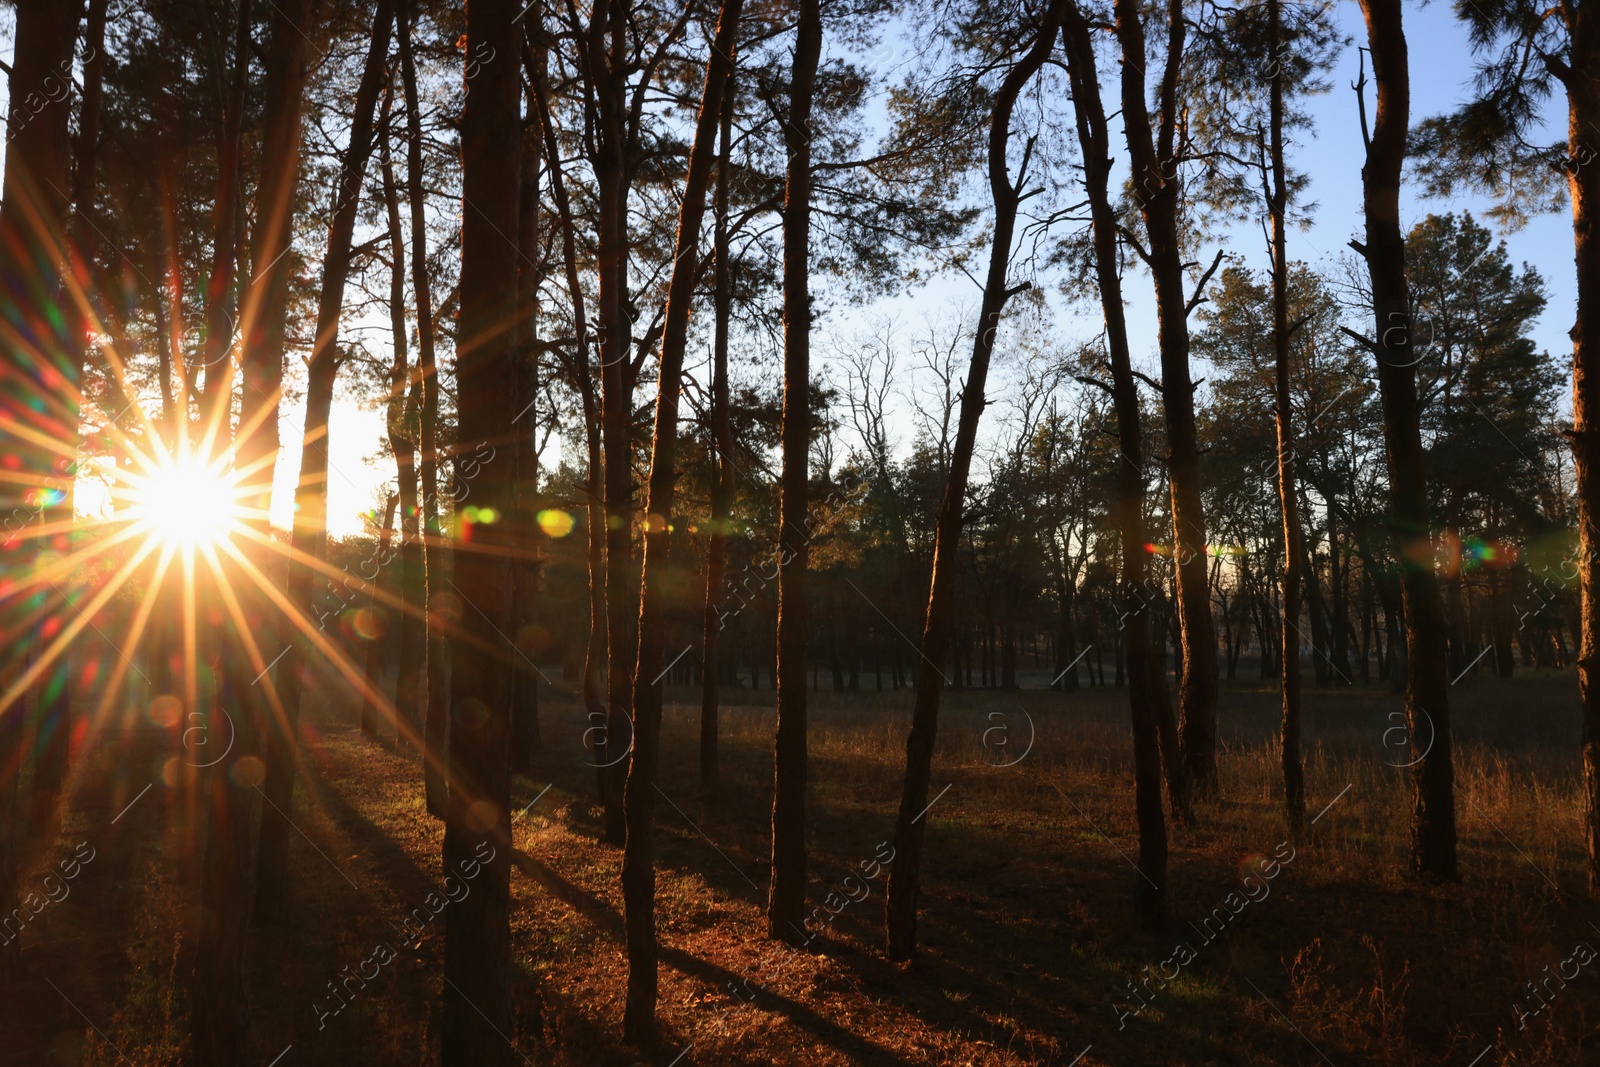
{"type": "Point", "coordinates": [402, 430]}
{"type": "Point", "coordinates": [216, 408]}
{"type": "Point", "coordinates": [1156, 188]}
{"type": "Point", "coordinates": [373, 665]}
{"type": "Point", "coordinates": [219, 1016]}
{"type": "Point", "coordinates": [54, 720]}
{"type": "Point", "coordinates": [722, 472]}
{"type": "Point", "coordinates": [787, 891]}
{"type": "Point", "coordinates": [607, 57]}
{"type": "Point", "coordinates": [477, 1025]}
{"type": "Point", "coordinates": [1433, 824]}
{"type": "Point", "coordinates": [525, 738]}
{"type": "Point", "coordinates": [425, 395]}
{"type": "Point", "coordinates": [638, 857]}
{"type": "Point", "coordinates": [1294, 783]}
{"type": "Point", "coordinates": [904, 876]}
{"type": "Point", "coordinates": [1583, 185]}
{"type": "Point", "coordinates": [1147, 684]}
{"type": "Point", "coordinates": [311, 492]}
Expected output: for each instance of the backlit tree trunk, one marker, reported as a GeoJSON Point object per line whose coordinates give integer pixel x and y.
{"type": "Point", "coordinates": [425, 397]}
{"type": "Point", "coordinates": [1427, 682]}
{"type": "Point", "coordinates": [1147, 683]}
{"type": "Point", "coordinates": [786, 896]}
{"type": "Point", "coordinates": [54, 721]}
{"type": "Point", "coordinates": [401, 419]}
{"type": "Point", "coordinates": [219, 1015]}
{"type": "Point", "coordinates": [1156, 188]}
{"type": "Point", "coordinates": [1582, 80]}
{"type": "Point", "coordinates": [905, 875]}
{"type": "Point", "coordinates": [638, 857]}
{"type": "Point", "coordinates": [1294, 784]}
{"type": "Point", "coordinates": [311, 492]}
{"type": "Point", "coordinates": [477, 1025]}
{"type": "Point", "coordinates": [722, 457]}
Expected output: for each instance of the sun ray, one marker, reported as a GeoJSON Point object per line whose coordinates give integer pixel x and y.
{"type": "Point", "coordinates": [73, 628]}
{"type": "Point", "coordinates": [136, 629]}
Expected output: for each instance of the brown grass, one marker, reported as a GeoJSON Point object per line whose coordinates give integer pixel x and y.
{"type": "Point", "coordinates": [1026, 926]}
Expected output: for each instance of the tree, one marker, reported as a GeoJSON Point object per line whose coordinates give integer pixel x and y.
{"type": "Point", "coordinates": [1147, 683]}
{"type": "Point", "coordinates": [425, 397]}
{"type": "Point", "coordinates": [901, 903]}
{"type": "Point", "coordinates": [786, 894]}
{"type": "Point", "coordinates": [1156, 153]}
{"type": "Point", "coordinates": [722, 485]}
{"type": "Point", "coordinates": [638, 858]}
{"type": "Point", "coordinates": [311, 493]}
{"type": "Point", "coordinates": [1528, 51]}
{"type": "Point", "coordinates": [477, 965]}
{"type": "Point", "coordinates": [1433, 826]}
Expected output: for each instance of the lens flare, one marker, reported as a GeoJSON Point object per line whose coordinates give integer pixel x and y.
{"type": "Point", "coordinates": [186, 502]}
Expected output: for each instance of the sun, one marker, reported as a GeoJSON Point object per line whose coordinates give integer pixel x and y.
{"type": "Point", "coordinates": [185, 501]}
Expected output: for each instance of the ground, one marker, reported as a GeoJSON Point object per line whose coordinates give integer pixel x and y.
{"type": "Point", "coordinates": [1028, 943]}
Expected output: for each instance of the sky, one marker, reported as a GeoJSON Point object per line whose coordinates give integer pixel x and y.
{"type": "Point", "coordinates": [1440, 69]}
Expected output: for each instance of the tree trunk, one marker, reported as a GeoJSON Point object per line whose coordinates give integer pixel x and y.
{"type": "Point", "coordinates": [1433, 827]}
{"type": "Point", "coordinates": [608, 57]}
{"type": "Point", "coordinates": [722, 472]}
{"type": "Point", "coordinates": [402, 430]}
{"type": "Point", "coordinates": [477, 1025]}
{"type": "Point", "coordinates": [786, 894]}
{"type": "Point", "coordinates": [54, 720]}
{"type": "Point", "coordinates": [1156, 189]}
{"type": "Point", "coordinates": [311, 492]}
{"type": "Point", "coordinates": [1294, 780]}
{"type": "Point", "coordinates": [373, 666]}
{"type": "Point", "coordinates": [525, 738]}
{"type": "Point", "coordinates": [905, 875]}
{"type": "Point", "coordinates": [219, 1015]}
{"type": "Point", "coordinates": [1583, 185]}
{"type": "Point", "coordinates": [638, 858]}
{"type": "Point", "coordinates": [1147, 689]}
{"type": "Point", "coordinates": [425, 397]}
{"type": "Point", "coordinates": [595, 522]}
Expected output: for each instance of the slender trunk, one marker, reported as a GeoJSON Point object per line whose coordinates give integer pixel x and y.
{"type": "Point", "coordinates": [1433, 827]}
{"type": "Point", "coordinates": [373, 660]}
{"type": "Point", "coordinates": [401, 417]}
{"type": "Point", "coordinates": [425, 397]}
{"type": "Point", "coordinates": [904, 876]}
{"type": "Point", "coordinates": [722, 451]}
{"type": "Point", "coordinates": [1294, 782]}
{"type": "Point", "coordinates": [311, 493]}
{"type": "Point", "coordinates": [525, 738]}
{"type": "Point", "coordinates": [1147, 689]}
{"type": "Point", "coordinates": [1157, 191]}
{"type": "Point", "coordinates": [638, 857]}
{"type": "Point", "coordinates": [607, 59]}
{"type": "Point", "coordinates": [578, 369]}
{"type": "Point", "coordinates": [477, 1027]}
{"type": "Point", "coordinates": [54, 720]}
{"type": "Point", "coordinates": [216, 349]}
{"type": "Point", "coordinates": [786, 893]}
{"type": "Point", "coordinates": [219, 1015]}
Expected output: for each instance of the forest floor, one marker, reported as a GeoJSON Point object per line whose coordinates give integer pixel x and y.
{"type": "Point", "coordinates": [1027, 934]}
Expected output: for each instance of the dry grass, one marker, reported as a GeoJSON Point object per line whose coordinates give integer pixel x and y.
{"type": "Point", "coordinates": [1026, 925]}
